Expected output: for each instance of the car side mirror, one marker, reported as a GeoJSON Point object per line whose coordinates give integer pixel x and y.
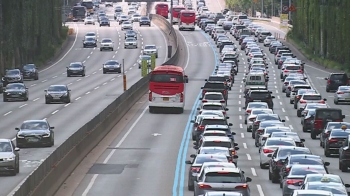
{"type": "Point", "coordinates": [200, 98]}
{"type": "Point", "coordinates": [324, 99]}
{"type": "Point", "coordinates": [283, 120]}
{"type": "Point", "coordinates": [233, 133]}
{"type": "Point", "coordinates": [194, 143]}
{"type": "Point", "coordinates": [192, 121]}
{"type": "Point", "coordinates": [347, 185]}
{"type": "Point", "coordinates": [227, 117]}
{"type": "Point", "coordinates": [202, 87]}
{"type": "Point", "coordinates": [273, 97]}
{"type": "Point", "coordinates": [193, 156]}
{"type": "Point", "coordinates": [17, 149]}
{"type": "Point", "coordinates": [230, 124]}
{"type": "Point", "coordinates": [244, 107]}
{"type": "Point", "coordinates": [17, 128]}
{"type": "Point", "coordinates": [244, 80]}
{"type": "Point", "coordinates": [269, 155]}
{"type": "Point", "coordinates": [188, 162]}
{"type": "Point", "coordinates": [27, 88]}
{"type": "Point", "coordinates": [301, 108]}
{"type": "Point", "coordinates": [327, 163]}
{"type": "Point", "coordinates": [235, 144]}
{"type": "Point", "coordinates": [247, 179]}
{"type": "Point", "coordinates": [226, 109]}
{"type": "Point", "coordinates": [69, 90]}
{"type": "Point", "coordinates": [198, 109]}
{"type": "Point", "coordinates": [343, 116]}
{"type": "Point", "coordinates": [302, 140]}
{"type": "Point", "coordinates": [195, 147]}
{"type": "Point", "coordinates": [52, 127]}
{"type": "Point", "coordinates": [206, 80]}
{"type": "Point", "coordinates": [326, 78]}
{"type": "Point", "coordinates": [45, 90]}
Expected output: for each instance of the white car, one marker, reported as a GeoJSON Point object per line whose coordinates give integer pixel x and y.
{"type": "Point", "coordinates": [122, 18]}
{"type": "Point", "coordinates": [268, 40]}
{"type": "Point", "coordinates": [90, 35]}
{"type": "Point", "coordinates": [135, 5]}
{"type": "Point", "coordinates": [150, 49]}
{"type": "Point", "coordinates": [268, 131]}
{"type": "Point", "coordinates": [89, 20]}
{"type": "Point", "coordinates": [253, 114]}
{"type": "Point", "coordinates": [136, 18]}
{"type": "Point", "coordinates": [130, 42]}
{"type": "Point", "coordinates": [127, 25]}
{"type": "Point", "coordinates": [309, 98]}
{"type": "Point", "coordinates": [107, 44]}
{"type": "Point", "coordinates": [270, 146]}
{"type": "Point", "coordinates": [295, 89]}
{"type": "Point", "coordinates": [212, 106]}
{"type": "Point", "coordinates": [220, 22]}
{"type": "Point", "coordinates": [213, 97]}
{"type": "Point", "coordinates": [108, 4]}
{"type": "Point", "coordinates": [253, 105]}
{"type": "Point", "coordinates": [131, 10]}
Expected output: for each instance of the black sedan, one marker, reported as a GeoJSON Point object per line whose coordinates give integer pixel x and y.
{"type": "Point", "coordinates": [57, 94]}
{"type": "Point", "coordinates": [76, 69]}
{"type": "Point", "coordinates": [35, 133]}
{"type": "Point", "coordinates": [15, 92]}
{"type": "Point", "coordinates": [89, 42]}
{"type": "Point", "coordinates": [30, 71]}
{"type": "Point", "coordinates": [104, 22]}
{"type": "Point", "coordinates": [145, 21]}
{"type": "Point", "coordinates": [112, 66]}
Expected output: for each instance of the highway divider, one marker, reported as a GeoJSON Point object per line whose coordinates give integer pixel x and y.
{"type": "Point", "coordinates": [50, 174]}
{"type": "Point", "coordinates": [273, 19]}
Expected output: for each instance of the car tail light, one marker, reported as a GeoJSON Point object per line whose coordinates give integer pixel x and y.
{"type": "Point", "coordinates": [289, 88]}
{"type": "Point", "coordinates": [200, 128]}
{"type": "Point", "coordinates": [281, 62]}
{"type": "Point", "coordinates": [150, 96]}
{"type": "Point", "coordinates": [222, 101]}
{"type": "Point", "coordinates": [278, 55]}
{"type": "Point", "coordinates": [204, 101]}
{"type": "Point", "coordinates": [322, 101]}
{"type": "Point", "coordinates": [204, 91]}
{"type": "Point", "coordinates": [225, 83]}
{"type": "Point", "coordinates": [285, 71]}
{"type": "Point", "coordinates": [291, 181]}
{"type": "Point", "coordinates": [268, 151]}
{"type": "Point", "coordinates": [224, 113]}
{"type": "Point", "coordinates": [204, 186]}
{"type": "Point", "coordinates": [231, 77]}
{"type": "Point", "coordinates": [298, 96]}
{"type": "Point", "coordinates": [302, 101]}
{"type": "Point", "coordinates": [244, 186]}
{"type": "Point", "coordinates": [260, 130]}
{"type": "Point", "coordinates": [326, 134]}
{"type": "Point", "coordinates": [300, 71]}
{"type": "Point", "coordinates": [224, 92]}
{"type": "Point", "coordinates": [287, 169]}
{"type": "Point", "coordinates": [195, 169]}
{"type": "Point", "coordinates": [328, 81]}
{"type": "Point", "coordinates": [248, 111]}
{"type": "Point", "coordinates": [340, 92]}
{"type": "Point", "coordinates": [181, 97]}
{"type": "Point", "coordinates": [257, 123]}
{"type": "Point", "coordinates": [348, 82]}
{"type": "Point", "coordinates": [251, 119]}
{"type": "Point", "coordinates": [333, 140]}
{"type": "Point", "coordinates": [285, 83]}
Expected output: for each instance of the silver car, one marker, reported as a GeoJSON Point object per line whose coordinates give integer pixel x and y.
{"type": "Point", "coordinates": [253, 114]}
{"type": "Point", "coordinates": [130, 42]}
{"type": "Point", "coordinates": [214, 97]}
{"type": "Point", "coordinates": [220, 193]}
{"type": "Point", "coordinates": [222, 179]}
{"type": "Point", "coordinates": [251, 106]}
{"type": "Point", "coordinates": [342, 94]}
{"type": "Point", "coordinates": [9, 157]}
{"type": "Point", "coordinates": [150, 49]}
{"type": "Point", "coordinates": [269, 147]}
{"type": "Point", "coordinates": [291, 85]}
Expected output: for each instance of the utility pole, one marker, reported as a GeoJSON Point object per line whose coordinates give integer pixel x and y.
{"type": "Point", "coordinates": [290, 13]}
{"type": "Point", "coordinates": [171, 10]}
{"type": "Point", "coordinates": [281, 7]}
{"type": "Point", "coordinates": [272, 4]}
{"type": "Point", "coordinates": [262, 9]}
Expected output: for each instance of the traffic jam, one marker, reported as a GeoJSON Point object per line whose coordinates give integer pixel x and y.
{"type": "Point", "coordinates": [284, 156]}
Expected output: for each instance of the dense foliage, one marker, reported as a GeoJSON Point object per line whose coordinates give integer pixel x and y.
{"type": "Point", "coordinates": [322, 27]}
{"type": "Point", "coordinates": [30, 31]}
{"type": "Point", "coordinates": [247, 6]}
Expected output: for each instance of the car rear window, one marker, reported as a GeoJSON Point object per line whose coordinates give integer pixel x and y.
{"type": "Point", "coordinates": [307, 170]}
{"type": "Point", "coordinates": [306, 161]}
{"type": "Point", "coordinates": [286, 152]}
{"type": "Point", "coordinates": [216, 144]}
{"type": "Point", "coordinates": [255, 77]}
{"type": "Point", "coordinates": [214, 97]}
{"type": "Point", "coordinates": [312, 97]}
{"type": "Point", "coordinates": [201, 159]}
{"type": "Point", "coordinates": [293, 67]}
{"type": "Point", "coordinates": [279, 143]}
{"type": "Point", "coordinates": [213, 122]}
{"type": "Point", "coordinates": [262, 95]}
{"type": "Point", "coordinates": [338, 77]}
{"type": "Point", "coordinates": [223, 177]}
{"type": "Point", "coordinates": [217, 79]}
{"type": "Point", "coordinates": [265, 33]}
{"type": "Point", "coordinates": [212, 107]}
{"type": "Point", "coordinates": [214, 134]}
{"type": "Point", "coordinates": [335, 114]}
{"type": "Point", "coordinates": [214, 85]}
{"type": "Point", "coordinates": [339, 133]}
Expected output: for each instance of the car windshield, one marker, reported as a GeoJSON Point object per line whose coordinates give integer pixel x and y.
{"type": "Point", "coordinates": [90, 34]}
{"type": "Point", "coordinates": [126, 22]}
{"type": "Point", "coordinates": [213, 97]}
{"type": "Point", "coordinates": [106, 41]}
{"type": "Point", "coordinates": [130, 40]}
{"type": "Point", "coordinates": [34, 125]}
{"type": "Point", "coordinates": [144, 18]}
{"type": "Point", "coordinates": [221, 177]}
{"type": "Point", "coordinates": [306, 161]}
{"type": "Point", "coordinates": [339, 133]}
{"type": "Point", "coordinates": [12, 72]}
{"type": "Point", "coordinates": [57, 88]}
{"type": "Point", "coordinates": [203, 159]}
{"type": "Point", "coordinates": [318, 178]}
{"type": "Point", "coordinates": [15, 86]}
{"type": "Point", "coordinates": [268, 117]}
{"type": "Point", "coordinates": [303, 171]}
{"type": "Point", "coordinates": [75, 65]}
{"type": "Point", "coordinates": [334, 188]}
{"type": "Point", "coordinates": [5, 147]}
{"type": "Point", "coordinates": [29, 66]}
{"type": "Point", "coordinates": [136, 15]}
{"type": "Point", "coordinates": [111, 63]}
{"type": "Point", "coordinates": [276, 130]}
{"type": "Point", "coordinates": [90, 39]}
{"type": "Point", "coordinates": [257, 105]}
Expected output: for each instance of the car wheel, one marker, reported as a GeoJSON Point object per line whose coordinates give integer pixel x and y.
{"type": "Point", "coordinates": [36, 77]}
{"type": "Point", "coordinates": [68, 100]}
{"type": "Point", "coordinates": [17, 168]}
{"type": "Point", "coordinates": [26, 99]}
{"type": "Point", "coordinates": [326, 152]}
{"type": "Point", "coordinates": [47, 101]}
{"type": "Point", "coordinates": [100, 49]}
{"type": "Point", "coordinates": [68, 75]}
{"type": "Point", "coordinates": [5, 99]}
{"type": "Point", "coordinates": [83, 74]}
{"type": "Point", "coordinates": [336, 102]}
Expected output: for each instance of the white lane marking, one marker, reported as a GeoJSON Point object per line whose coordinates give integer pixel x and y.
{"type": "Point", "coordinates": [283, 110]}
{"type": "Point", "coordinates": [253, 171]}
{"type": "Point", "coordinates": [240, 117]}
{"type": "Point", "coordinates": [44, 81]}
{"type": "Point", "coordinates": [54, 77]}
{"type": "Point", "coordinates": [281, 103]}
{"type": "Point", "coordinates": [7, 113]}
{"type": "Point", "coordinates": [239, 102]}
{"type": "Point", "coordinates": [88, 57]}
{"type": "Point", "coordinates": [87, 93]}
{"type": "Point", "coordinates": [78, 98]}
{"type": "Point", "coordinates": [97, 87]}
{"type": "Point", "coordinates": [67, 105]}
{"type": "Point", "coordinates": [287, 119]}
{"type": "Point", "coordinates": [112, 79]}
{"type": "Point", "coordinates": [32, 84]}
{"type": "Point", "coordinates": [249, 157]}
{"type": "Point", "coordinates": [104, 83]}
{"type": "Point", "coordinates": [245, 145]}
{"type": "Point", "coordinates": [278, 97]}
{"type": "Point", "coordinates": [242, 135]}
{"type": "Point", "coordinates": [291, 127]}
{"type": "Point", "coordinates": [94, 72]}
{"type": "Point", "coordinates": [78, 79]}
{"type": "Point", "coordinates": [241, 126]}
{"type": "Point", "coordinates": [54, 112]}
{"type": "Point", "coordinates": [36, 99]}
{"type": "Point", "coordinates": [64, 56]}
{"type": "Point", "coordinates": [239, 109]}
{"type": "Point", "coordinates": [276, 91]}
{"type": "Point", "coordinates": [69, 84]}
{"type": "Point", "coordinates": [22, 105]}
{"type": "Point", "coordinates": [93, 179]}
{"type": "Point", "coordinates": [261, 193]}
{"type": "Point", "coordinates": [240, 96]}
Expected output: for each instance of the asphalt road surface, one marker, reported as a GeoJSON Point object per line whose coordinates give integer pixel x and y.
{"type": "Point", "coordinates": [90, 94]}
{"type": "Point", "coordinates": [148, 157]}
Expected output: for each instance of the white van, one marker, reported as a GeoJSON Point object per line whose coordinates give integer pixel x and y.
{"type": "Point", "coordinates": [255, 80]}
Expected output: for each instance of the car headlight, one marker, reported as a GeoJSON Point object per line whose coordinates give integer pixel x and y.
{"type": "Point", "coordinates": [10, 159]}
{"type": "Point", "coordinates": [20, 136]}
{"type": "Point", "coordinates": [104, 66]}
{"type": "Point", "coordinates": [46, 135]}
{"type": "Point", "coordinates": [65, 94]}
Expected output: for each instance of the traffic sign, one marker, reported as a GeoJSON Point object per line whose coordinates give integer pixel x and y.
{"type": "Point", "coordinates": [292, 8]}
{"type": "Point", "coordinates": [285, 8]}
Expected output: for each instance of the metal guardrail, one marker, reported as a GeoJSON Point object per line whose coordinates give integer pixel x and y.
{"type": "Point", "coordinates": [268, 20]}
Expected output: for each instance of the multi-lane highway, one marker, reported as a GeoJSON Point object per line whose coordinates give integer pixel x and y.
{"type": "Point", "coordinates": [148, 157]}
{"type": "Point", "coordinates": [90, 94]}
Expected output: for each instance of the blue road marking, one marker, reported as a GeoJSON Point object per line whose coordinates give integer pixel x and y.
{"type": "Point", "coordinates": [181, 157]}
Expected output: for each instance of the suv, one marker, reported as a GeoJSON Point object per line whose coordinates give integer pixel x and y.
{"type": "Point", "coordinates": [209, 120]}
{"type": "Point", "coordinates": [322, 117]}
{"type": "Point", "coordinates": [11, 155]}
{"type": "Point", "coordinates": [30, 71]}
{"type": "Point", "coordinates": [12, 76]}
{"type": "Point", "coordinates": [211, 179]}
{"type": "Point", "coordinates": [344, 155]}
{"type": "Point", "coordinates": [263, 35]}
{"type": "Point", "coordinates": [259, 96]}
{"type": "Point", "coordinates": [334, 80]}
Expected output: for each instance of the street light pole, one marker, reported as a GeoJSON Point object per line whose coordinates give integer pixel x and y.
{"type": "Point", "coordinates": [262, 9]}
{"type": "Point", "coordinates": [124, 77]}
{"type": "Point", "coordinates": [171, 10]}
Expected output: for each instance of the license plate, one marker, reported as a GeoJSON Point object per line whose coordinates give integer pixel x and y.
{"type": "Point", "coordinates": [15, 95]}
{"type": "Point", "coordinates": [32, 139]}
{"type": "Point", "coordinates": [165, 98]}
{"type": "Point", "coordinates": [57, 98]}
{"type": "Point", "coordinates": [110, 69]}
{"type": "Point", "coordinates": [257, 100]}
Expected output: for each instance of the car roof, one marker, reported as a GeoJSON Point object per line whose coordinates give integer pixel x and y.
{"type": "Point", "coordinates": [216, 126]}
{"type": "Point", "coordinates": [312, 192]}
{"type": "Point", "coordinates": [5, 140]}
{"type": "Point", "coordinates": [305, 156]}
{"type": "Point", "coordinates": [279, 138]}
{"type": "Point", "coordinates": [216, 138]}
{"type": "Point", "coordinates": [58, 85]}
{"type": "Point", "coordinates": [220, 169]}
{"type": "Point", "coordinates": [212, 103]}
{"type": "Point", "coordinates": [213, 117]}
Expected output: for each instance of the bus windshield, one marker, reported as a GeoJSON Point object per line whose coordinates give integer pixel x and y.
{"type": "Point", "coordinates": [79, 11]}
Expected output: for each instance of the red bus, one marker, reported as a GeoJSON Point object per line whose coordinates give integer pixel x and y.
{"type": "Point", "coordinates": [176, 11]}
{"type": "Point", "coordinates": [187, 20]}
{"type": "Point", "coordinates": [162, 9]}
{"type": "Point", "coordinates": [167, 88]}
